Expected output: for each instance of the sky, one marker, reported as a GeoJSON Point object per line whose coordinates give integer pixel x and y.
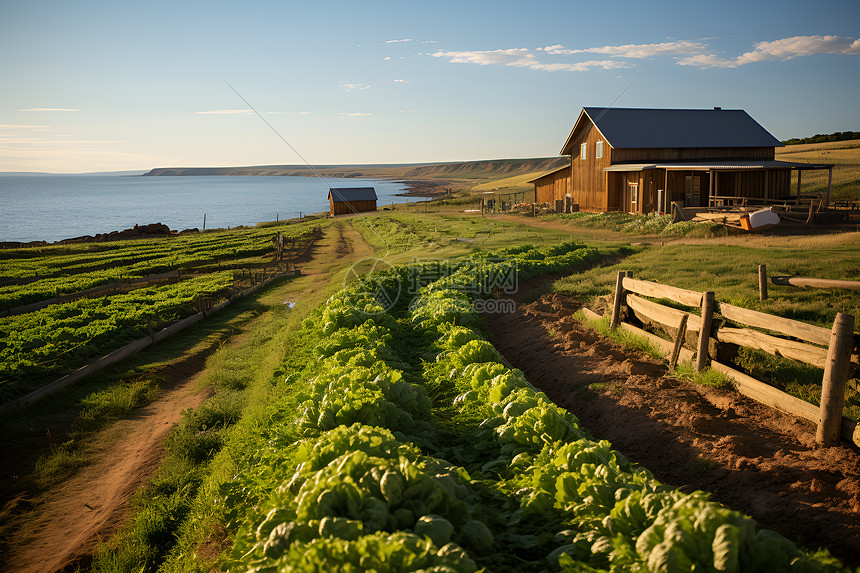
{"type": "Point", "coordinates": [117, 85]}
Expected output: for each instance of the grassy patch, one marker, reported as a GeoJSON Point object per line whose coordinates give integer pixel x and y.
{"type": "Point", "coordinates": [622, 337]}
{"type": "Point", "coordinates": [707, 377]}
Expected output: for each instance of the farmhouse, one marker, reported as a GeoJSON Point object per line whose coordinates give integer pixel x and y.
{"type": "Point", "coordinates": [345, 200]}
{"type": "Point", "coordinates": [643, 160]}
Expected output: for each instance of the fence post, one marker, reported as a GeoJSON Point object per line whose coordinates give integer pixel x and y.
{"type": "Point", "coordinates": [679, 342]}
{"type": "Point", "coordinates": [835, 377]}
{"type": "Point", "coordinates": [762, 282]}
{"type": "Point", "coordinates": [616, 307]}
{"type": "Point", "coordinates": [705, 333]}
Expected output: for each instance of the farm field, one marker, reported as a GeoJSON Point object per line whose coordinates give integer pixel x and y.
{"type": "Point", "coordinates": [400, 431]}
{"type": "Point", "coordinates": [45, 343]}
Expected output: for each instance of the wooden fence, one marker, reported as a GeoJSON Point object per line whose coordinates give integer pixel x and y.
{"type": "Point", "coordinates": [830, 349]}
{"type": "Point", "coordinates": [800, 282]}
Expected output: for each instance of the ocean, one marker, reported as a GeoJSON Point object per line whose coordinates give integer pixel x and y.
{"type": "Point", "coordinates": [55, 207]}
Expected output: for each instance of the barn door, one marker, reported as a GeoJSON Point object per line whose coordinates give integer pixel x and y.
{"type": "Point", "coordinates": [633, 197]}
{"type": "Point", "coordinates": [692, 191]}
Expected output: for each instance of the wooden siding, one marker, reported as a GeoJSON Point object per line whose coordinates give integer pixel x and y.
{"type": "Point", "coordinates": [690, 154]}
{"type": "Point", "coordinates": [552, 186]}
{"type": "Point", "coordinates": [588, 181]}
{"type": "Point", "coordinates": [347, 207]}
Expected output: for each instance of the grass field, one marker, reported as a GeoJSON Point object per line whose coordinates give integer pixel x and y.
{"type": "Point", "coordinates": [846, 172]}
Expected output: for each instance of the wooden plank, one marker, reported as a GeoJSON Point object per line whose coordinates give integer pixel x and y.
{"type": "Point", "coordinates": [662, 314]}
{"type": "Point", "coordinates": [679, 342]}
{"type": "Point", "coordinates": [786, 326]}
{"type": "Point", "coordinates": [657, 290]}
{"type": "Point", "coordinates": [590, 314]}
{"type": "Point", "coordinates": [663, 345]}
{"type": "Point", "coordinates": [708, 304]}
{"type": "Point", "coordinates": [835, 378]}
{"type": "Point", "coordinates": [768, 395]}
{"type": "Point", "coordinates": [811, 282]}
{"type": "Point", "coordinates": [851, 431]}
{"type": "Point", "coordinates": [778, 346]}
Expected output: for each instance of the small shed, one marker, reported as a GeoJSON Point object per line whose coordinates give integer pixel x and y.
{"type": "Point", "coordinates": [345, 200]}
{"type": "Point", "coordinates": [553, 185]}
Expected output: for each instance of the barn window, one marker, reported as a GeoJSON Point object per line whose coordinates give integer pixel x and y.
{"type": "Point", "coordinates": [598, 150]}
{"type": "Point", "coordinates": [582, 149]}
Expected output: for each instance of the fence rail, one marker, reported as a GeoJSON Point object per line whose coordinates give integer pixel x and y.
{"type": "Point", "coordinates": [829, 349]}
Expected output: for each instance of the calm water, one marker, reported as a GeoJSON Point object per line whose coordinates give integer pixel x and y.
{"type": "Point", "coordinates": [54, 207]}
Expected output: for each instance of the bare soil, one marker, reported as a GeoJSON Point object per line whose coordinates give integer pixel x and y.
{"type": "Point", "coordinates": [750, 457]}
{"type": "Point", "coordinates": [66, 523]}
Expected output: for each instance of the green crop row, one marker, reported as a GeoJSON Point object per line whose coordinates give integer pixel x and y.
{"type": "Point", "coordinates": [141, 259]}
{"type": "Point", "coordinates": [417, 448]}
{"type": "Point", "coordinates": [144, 256]}
{"type": "Point", "coordinates": [44, 343]}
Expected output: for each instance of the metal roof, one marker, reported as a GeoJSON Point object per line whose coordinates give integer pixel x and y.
{"type": "Point", "coordinates": [680, 128]}
{"type": "Point", "coordinates": [718, 165]}
{"type": "Point", "coordinates": [343, 194]}
{"type": "Point", "coordinates": [548, 173]}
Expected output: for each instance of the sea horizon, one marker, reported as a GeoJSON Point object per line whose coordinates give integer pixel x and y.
{"type": "Point", "coordinates": [54, 207]}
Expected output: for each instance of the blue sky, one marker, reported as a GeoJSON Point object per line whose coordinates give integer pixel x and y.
{"type": "Point", "coordinates": [98, 86]}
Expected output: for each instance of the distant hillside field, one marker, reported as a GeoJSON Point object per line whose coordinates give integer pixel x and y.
{"type": "Point", "coordinates": [845, 155]}
{"type": "Point", "coordinates": [514, 174]}
{"type": "Point", "coordinates": [465, 172]}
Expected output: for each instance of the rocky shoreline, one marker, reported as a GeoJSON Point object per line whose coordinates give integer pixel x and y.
{"type": "Point", "coordinates": [426, 187]}
{"type": "Point", "coordinates": [151, 231]}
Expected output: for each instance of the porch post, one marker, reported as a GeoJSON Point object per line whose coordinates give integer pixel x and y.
{"type": "Point", "coordinates": [666, 200]}
{"type": "Point", "coordinates": [711, 201]}
{"type": "Point", "coordinates": [766, 181]}
{"type": "Point", "coordinates": [829, 184]}
{"type": "Point", "coordinates": [798, 183]}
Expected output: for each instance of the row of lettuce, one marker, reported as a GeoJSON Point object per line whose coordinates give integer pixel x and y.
{"type": "Point", "coordinates": [403, 442]}
{"type": "Point", "coordinates": [39, 346]}
{"type": "Point", "coordinates": [37, 274]}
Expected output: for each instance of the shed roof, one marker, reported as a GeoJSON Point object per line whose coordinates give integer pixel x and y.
{"type": "Point", "coordinates": [549, 173]}
{"type": "Point", "coordinates": [673, 128]}
{"type": "Point", "coordinates": [343, 194]}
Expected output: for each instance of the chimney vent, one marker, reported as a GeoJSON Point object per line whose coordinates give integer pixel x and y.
{"type": "Point", "coordinates": [717, 108]}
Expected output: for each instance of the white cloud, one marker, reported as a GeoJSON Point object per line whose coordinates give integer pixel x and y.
{"type": "Point", "coordinates": [386, 58]}
{"type": "Point", "coordinates": [686, 53]}
{"type": "Point", "coordinates": [305, 112]}
{"type": "Point", "coordinates": [398, 41]}
{"type": "Point", "coordinates": [356, 114]}
{"type": "Point", "coordinates": [523, 58]}
{"type": "Point", "coordinates": [517, 57]}
{"type": "Point", "coordinates": [353, 86]}
{"type": "Point", "coordinates": [788, 48]}
{"type": "Point", "coordinates": [48, 109]}
{"type": "Point", "coordinates": [706, 61]}
{"type": "Point", "coordinates": [224, 112]}
{"type": "Point", "coordinates": [782, 50]}
{"type": "Point", "coordinates": [401, 81]}
{"type": "Point", "coordinates": [583, 66]}
{"type": "Point", "coordinates": [430, 42]}
{"type": "Point", "coordinates": [637, 51]}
